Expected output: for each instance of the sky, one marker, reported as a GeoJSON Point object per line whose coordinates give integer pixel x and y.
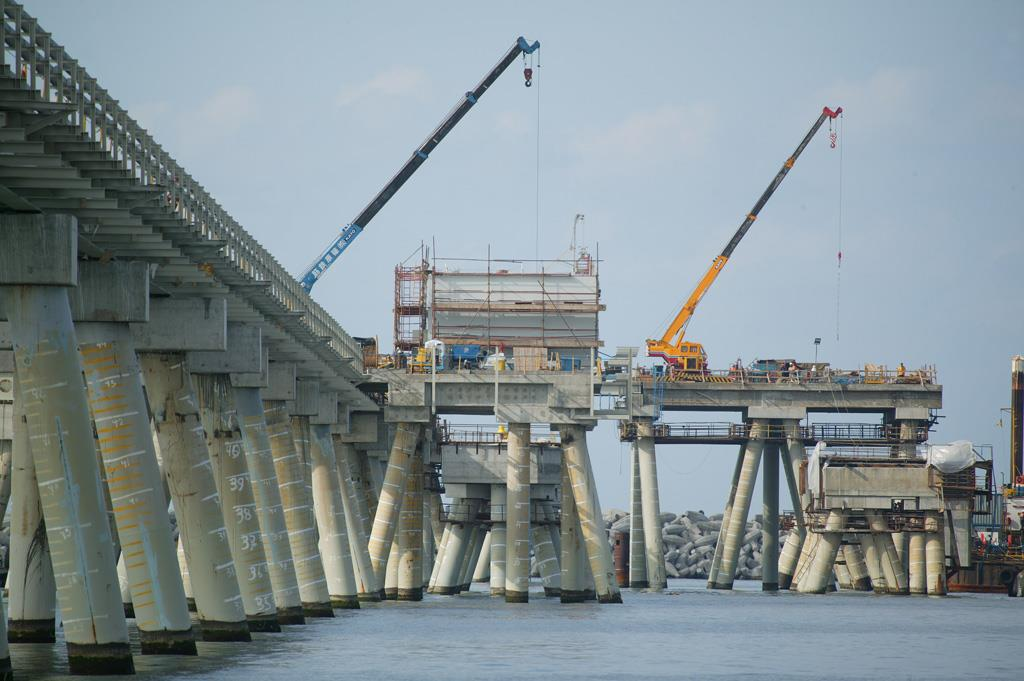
{"type": "Point", "coordinates": [661, 122]}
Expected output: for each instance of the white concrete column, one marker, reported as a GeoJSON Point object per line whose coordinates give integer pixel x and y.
{"type": "Point", "coordinates": [439, 559]}
{"type": "Point", "coordinates": [655, 548]}
{"type": "Point", "coordinates": [517, 515]}
{"type": "Point", "coordinates": [637, 546]}
{"type": "Point", "coordinates": [126, 592]}
{"type": "Point", "coordinates": [454, 549]}
{"type": "Point", "coordinates": [803, 564]}
{"type": "Point", "coordinates": [335, 547]}
{"type": "Point", "coordinates": [482, 571]}
{"type": "Point", "coordinates": [918, 577]}
{"type": "Point", "coordinates": [391, 570]}
{"type": "Point", "coordinates": [385, 521]}
{"type": "Point", "coordinates": [63, 450]}
{"type": "Point", "coordinates": [410, 534]}
{"type": "Point", "coordinates": [32, 599]}
{"type": "Point", "coordinates": [114, 382]}
{"type": "Point", "coordinates": [356, 520]}
{"type": "Point", "coordinates": [770, 517]}
{"type": "Point", "coordinates": [498, 540]}
{"type": "Point", "coordinates": [892, 566]}
{"type": "Point", "coordinates": [189, 471]}
{"type": "Point", "coordinates": [716, 560]}
{"type": "Point", "coordinates": [269, 509]}
{"type": "Point", "coordinates": [290, 467]}
{"type": "Point", "coordinates": [873, 563]}
{"type": "Point", "coordinates": [935, 555]}
{"type": "Point", "coordinates": [588, 506]}
{"type": "Point", "coordinates": [792, 455]}
{"type": "Point", "coordinates": [470, 557]}
{"type": "Point", "coordinates": [819, 575]}
{"type": "Point", "coordinates": [855, 563]}
{"type": "Point", "coordinates": [741, 506]}
{"type": "Point", "coordinates": [547, 560]}
{"type": "Point", "coordinates": [573, 581]}
{"type": "Point", "coordinates": [6, 454]}
{"type": "Point", "coordinates": [428, 543]}
{"type": "Point", "coordinates": [179, 550]}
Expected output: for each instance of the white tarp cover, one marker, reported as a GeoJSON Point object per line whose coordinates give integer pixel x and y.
{"type": "Point", "coordinates": [950, 458]}
{"type": "Point", "coordinates": [814, 468]}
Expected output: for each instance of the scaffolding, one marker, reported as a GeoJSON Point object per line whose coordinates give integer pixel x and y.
{"type": "Point", "coordinates": [410, 307]}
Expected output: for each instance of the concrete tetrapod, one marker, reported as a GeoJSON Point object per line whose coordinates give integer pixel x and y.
{"type": "Point", "coordinates": [189, 471]}
{"type": "Point", "coordinates": [335, 547]}
{"type": "Point", "coordinates": [498, 539]}
{"type": "Point", "coordinates": [269, 510]}
{"type": "Point", "coordinates": [114, 383]}
{"type": "Point", "coordinates": [238, 504]}
{"type": "Point", "coordinates": [356, 521]}
{"type": "Point", "coordinates": [290, 466]}
{"type": "Point", "coordinates": [637, 546]}
{"type": "Point", "coordinates": [385, 520]}
{"type": "Point", "coordinates": [734, 533]}
{"type": "Point", "coordinates": [588, 507]}
{"type": "Point", "coordinates": [654, 547]}
{"type": "Point", "coordinates": [410, 534]}
{"type": "Point", "coordinates": [517, 515]}
{"type": "Point", "coordinates": [63, 450]}
{"type": "Point", "coordinates": [33, 594]}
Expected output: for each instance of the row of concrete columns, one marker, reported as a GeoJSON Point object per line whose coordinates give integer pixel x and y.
{"type": "Point", "coordinates": [253, 489]}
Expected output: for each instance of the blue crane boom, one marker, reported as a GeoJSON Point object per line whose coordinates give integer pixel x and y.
{"type": "Point", "coordinates": [349, 233]}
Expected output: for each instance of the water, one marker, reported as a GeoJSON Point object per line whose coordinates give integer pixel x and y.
{"type": "Point", "coordinates": [685, 633]}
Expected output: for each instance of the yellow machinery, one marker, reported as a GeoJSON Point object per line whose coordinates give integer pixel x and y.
{"type": "Point", "coordinates": [687, 356]}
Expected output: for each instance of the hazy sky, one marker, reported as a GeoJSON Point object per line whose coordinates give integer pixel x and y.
{"type": "Point", "coordinates": [662, 123]}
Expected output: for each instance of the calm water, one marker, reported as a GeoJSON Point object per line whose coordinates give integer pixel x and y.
{"type": "Point", "coordinates": [685, 633]}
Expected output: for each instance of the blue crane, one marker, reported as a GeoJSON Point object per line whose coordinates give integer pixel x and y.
{"type": "Point", "coordinates": [349, 233]}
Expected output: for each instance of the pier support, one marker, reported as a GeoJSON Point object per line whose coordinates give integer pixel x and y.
{"type": "Point", "coordinates": [918, 577]}
{"type": "Point", "coordinates": [114, 382]}
{"type": "Point", "coordinates": [470, 557]}
{"type": "Point", "coordinates": [189, 472]}
{"type": "Point", "coordinates": [573, 579]}
{"type": "Point", "coordinates": [547, 559]}
{"type": "Point", "coordinates": [935, 555]}
{"type": "Point", "coordinates": [654, 546]}
{"type": "Point", "coordinates": [32, 599]}
{"type": "Point", "coordinates": [584, 490]}
{"type": "Point", "coordinates": [385, 521]}
{"type": "Point", "coordinates": [454, 549]}
{"type": "Point", "coordinates": [482, 571]}
{"type": "Point", "coordinates": [269, 510]}
{"type": "Point", "coordinates": [63, 450]}
{"type": "Point", "coordinates": [334, 545]}
{"type": "Point", "coordinates": [238, 503]}
{"type": "Point", "coordinates": [637, 546]}
{"type": "Point", "coordinates": [410, 534]}
{"type": "Point", "coordinates": [792, 456]}
{"type": "Point", "coordinates": [517, 515]}
{"type": "Point", "coordinates": [498, 540]}
{"type": "Point", "coordinates": [819, 574]}
{"type": "Point", "coordinates": [741, 506]}
{"type": "Point", "coordinates": [356, 521]}
{"type": "Point", "coordinates": [290, 467]}
{"type": "Point", "coordinates": [716, 560]}
{"type": "Point", "coordinates": [855, 564]}
{"type": "Point", "coordinates": [770, 519]}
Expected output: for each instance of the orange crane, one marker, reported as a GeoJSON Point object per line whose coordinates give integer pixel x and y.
{"type": "Point", "coordinates": [689, 357]}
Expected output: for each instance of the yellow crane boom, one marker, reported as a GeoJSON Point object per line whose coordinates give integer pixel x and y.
{"type": "Point", "coordinates": [671, 347]}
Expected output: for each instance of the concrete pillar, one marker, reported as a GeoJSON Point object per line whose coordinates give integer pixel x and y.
{"type": "Point", "coordinates": [442, 546]}
{"type": "Point", "coordinates": [126, 592]}
{"type": "Point", "coordinates": [935, 555]}
{"type": "Point", "coordinates": [391, 571]}
{"type": "Point", "coordinates": [189, 471]}
{"type": "Point", "coordinates": [482, 571]}
{"type": "Point", "coordinates": [335, 547]}
{"type": "Point", "coordinates": [842, 573]}
{"type": "Point", "coordinates": [63, 450]}
{"type": "Point", "coordinates": [892, 566]}
{"type": "Point", "coordinates": [741, 506]}
{"type": "Point", "coordinates": [269, 510]}
{"type": "Point", "coordinates": [32, 599]}
{"type": "Point", "coordinates": [114, 382]}
{"type": "Point", "coordinates": [819, 575]}
{"type": "Point", "coordinates": [454, 549]}
{"type": "Point", "coordinates": [428, 545]}
{"type": "Point", "coordinates": [410, 534]}
{"type": "Point", "coordinates": [238, 503]}
{"type": "Point", "coordinates": [637, 546]}
{"type": "Point", "coordinates": [855, 564]}
{"type": "Point", "coordinates": [517, 515]}
{"type": "Point", "coordinates": [290, 467]}
{"type": "Point", "coordinates": [770, 517]}
{"type": "Point", "coordinates": [6, 455]}
{"type": "Point", "coordinates": [372, 479]}
{"type": "Point", "coordinates": [385, 521]}
{"type": "Point", "coordinates": [716, 560]}
{"type": "Point", "coordinates": [654, 547]}
{"type": "Point", "coordinates": [547, 559]}
{"type": "Point", "coordinates": [179, 549]}
{"type": "Point", "coordinates": [588, 506]}
{"type": "Point", "coordinates": [356, 520]}
{"type": "Point", "coordinates": [469, 558]}
{"type": "Point", "coordinates": [803, 564]}
{"type": "Point", "coordinates": [873, 563]}
{"type": "Point", "coordinates": [918, 577]}
{"type": "Point", "coordinates": [573, 581]}
{"type": "Point", "coordinates": [498, 540]}
{"type": "Point", "coordinates": [792, 455]}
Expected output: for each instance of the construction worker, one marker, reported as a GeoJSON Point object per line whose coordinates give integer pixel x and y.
{"type": "Point", "coordinates": [901, 371]}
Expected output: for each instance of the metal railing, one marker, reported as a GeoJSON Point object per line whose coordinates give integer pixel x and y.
{"type": "Point", "coordinates": [454, 433]}
{"type": "Point", "coordinates": [30, 53]}
{"type": "Point", "coordinates": [815, 432]}
{"type": "Point", "coordinates": [460, 513]}
{"type": "Point", "coordinates": [923, 376]}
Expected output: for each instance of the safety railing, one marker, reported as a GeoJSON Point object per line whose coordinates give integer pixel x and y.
{"type": "Point", "coordinates": [867, 433]}
{"type": "Point", "coordinates": [495, 513]}
{"type": "Point", "coordinates": [923, 376]}
{"type": "Point", "coordinates": [31, 54]}
{"type": "Point", "coordinates": [453, 433]}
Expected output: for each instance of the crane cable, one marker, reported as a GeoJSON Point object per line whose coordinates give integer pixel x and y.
{"type": "Point", "coordinates": [834, 135]}
{"type": "Point", "coordinates": [529, 76]}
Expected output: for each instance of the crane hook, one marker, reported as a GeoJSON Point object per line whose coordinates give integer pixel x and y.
{"type": "Point", "coordinates": [528, 75]}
